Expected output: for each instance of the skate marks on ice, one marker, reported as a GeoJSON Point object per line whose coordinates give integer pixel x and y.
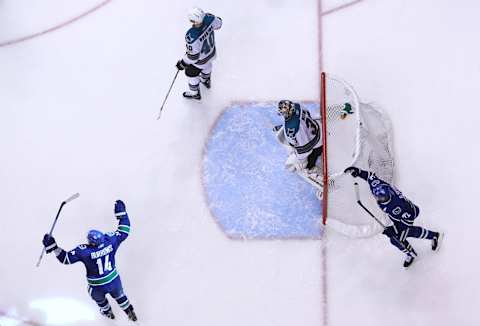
{"type": "Point", "coordinates": [34, 35]}
{"type": "Point", "coordinates": [248, 190]}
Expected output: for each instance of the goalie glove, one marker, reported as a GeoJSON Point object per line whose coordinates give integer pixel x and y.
{"type": "Point", "coordinates": [120, 210]}
{"type": "Point", "coordinates": [49, 243]}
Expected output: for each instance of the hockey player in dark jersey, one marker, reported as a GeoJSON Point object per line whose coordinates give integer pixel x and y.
{"type": "Point", "coordinates": [98, 256]}
{"type": "Point", "coordinates": [401, 211]}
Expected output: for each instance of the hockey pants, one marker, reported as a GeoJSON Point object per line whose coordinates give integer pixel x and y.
{"type": "Point", "coordinates": [197, 74]}
{"type": "Point", "coordinates": [115, 289]}
{"type": "Point", "coordinates": [402, 231]}
{"type": "Point", "coordinates": [313, 156]}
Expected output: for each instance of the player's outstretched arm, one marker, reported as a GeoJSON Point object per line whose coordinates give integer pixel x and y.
{"type": "Point", "coordinates": [123, 229]}
{"type": "Point", "coordinates": [63, 256]}
{"type": "Point", "coordinates": [356, 172]}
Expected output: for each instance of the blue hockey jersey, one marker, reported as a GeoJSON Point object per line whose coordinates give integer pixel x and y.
{"type": "Point", "coordinates": [399, 208]}
{"type": "Point", "coordinates": [99, 261]}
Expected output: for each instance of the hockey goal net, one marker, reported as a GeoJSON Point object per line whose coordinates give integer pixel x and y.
{"type": "Point", "coordinates": [354, 134]}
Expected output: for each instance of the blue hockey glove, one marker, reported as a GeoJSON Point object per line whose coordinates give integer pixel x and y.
{"type": "Point", "coordinates": [120, 210]}
{"type": "Point", "coordinates": [355, 172]}
{"type": "Point", "coordinates": [49, 243]}
{"type": "Point", "coordinates": [181, 64]}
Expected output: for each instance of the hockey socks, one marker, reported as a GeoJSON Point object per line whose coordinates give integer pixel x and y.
{"type": "Point", "coordinates": [125, 305]}
{"type": "Point", "coordinates": [205, 78]}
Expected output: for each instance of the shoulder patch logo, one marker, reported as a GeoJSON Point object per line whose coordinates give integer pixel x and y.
{"type": "Point", "coordinates": [82, 246]}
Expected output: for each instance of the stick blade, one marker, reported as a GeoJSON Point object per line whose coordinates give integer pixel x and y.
{"type": "Point", "coordinates": [72, 197]}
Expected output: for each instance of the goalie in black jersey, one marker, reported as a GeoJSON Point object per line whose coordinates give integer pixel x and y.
{"type": "Point", "coordinates": [401, 211]}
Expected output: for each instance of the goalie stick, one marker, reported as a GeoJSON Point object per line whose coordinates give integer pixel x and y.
{"type": "Point", "coordinates": [168, 93]}
{"type": "Point", "coordinates": [357, 195]}
{"type": "Point", "coordinates": [69, 199]}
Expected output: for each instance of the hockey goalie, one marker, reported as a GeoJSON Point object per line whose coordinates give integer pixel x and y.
{"type": "Point", "coordinates": [301, 134]}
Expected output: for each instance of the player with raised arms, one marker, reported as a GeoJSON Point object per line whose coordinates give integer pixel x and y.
{"type": "Point", "coordinates": [98, 256]}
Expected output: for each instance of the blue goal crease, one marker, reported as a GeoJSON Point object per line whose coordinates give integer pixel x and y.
{"type": "Point", "coordinates": [248, 190]}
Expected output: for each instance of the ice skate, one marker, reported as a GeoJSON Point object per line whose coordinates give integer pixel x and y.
{"type": "Point", "coordinates": [408, 261]}
{"type": "Point", "coordinates": [206, 83]}
{"type": "Point", "coordinates": [192, 95]}
{"type": "Point", "coordinates": [436, 241]}
{"type": "Point", "coordinates": [130, 313]}
{"type": "Point", "coordinates": [109, 314]}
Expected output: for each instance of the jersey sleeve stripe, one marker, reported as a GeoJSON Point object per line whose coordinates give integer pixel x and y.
{"type": "Point", "coordinates": [124, 229]}
{"type": "Point", "coordinates": [193, 56]}
{"type": "Point", "coordinates": [308, 146]}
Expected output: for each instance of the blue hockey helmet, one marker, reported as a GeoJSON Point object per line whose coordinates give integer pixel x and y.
{"type": "Point", "coordinates": [95, 238]}
{"type": "Point", "coordinates": [381, 193]}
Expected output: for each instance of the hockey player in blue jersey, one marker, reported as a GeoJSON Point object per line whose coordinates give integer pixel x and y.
{"type": "Point", "coordinates": [200, 52]}
{"type": "Point", "coordinates": [98, 256]}
{"type": "Point", "coordinates": [401, 211]}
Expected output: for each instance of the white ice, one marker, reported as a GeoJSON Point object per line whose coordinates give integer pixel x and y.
{"type": "Point", "coordinates": [78, 115]}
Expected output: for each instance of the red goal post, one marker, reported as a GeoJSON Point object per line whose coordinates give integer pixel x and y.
{"type": "Point", "coordinates": [353, 134]}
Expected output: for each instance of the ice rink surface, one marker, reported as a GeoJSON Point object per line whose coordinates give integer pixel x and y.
{"type": "Point", "coordinates": [78, 115]}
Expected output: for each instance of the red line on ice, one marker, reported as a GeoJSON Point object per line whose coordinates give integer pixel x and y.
{"type": "Point", "coordinates": [350, 4]}
{"type": "Point", "coordinates": [324, 246]}
{"type": "Point", "coordinates": [54, 28]}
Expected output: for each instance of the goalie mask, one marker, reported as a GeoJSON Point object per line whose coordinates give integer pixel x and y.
{"type": "Point", "coordinates": [286, 109]}
{"type": "Point", "coordinates": [95, 238]}
{"type": "Point", "coordinates": [381, 193]}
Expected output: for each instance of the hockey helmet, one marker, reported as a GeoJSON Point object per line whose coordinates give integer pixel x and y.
{"type": "Point", "coordinates": [95, 238]}
{"type": "Point", "coordinates": [381, 193]}
{"type": "Point", "coordinates": [196, 15]}
{"type": "Point", "coordinates": [286, 108]}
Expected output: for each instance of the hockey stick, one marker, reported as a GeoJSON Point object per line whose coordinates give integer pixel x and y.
{"type": "Point", "coordinates": [69, 199]}
{"type": "Point", "coordinates": [168, 93]}
{"type": "Point", "coordinates": [357, 195]}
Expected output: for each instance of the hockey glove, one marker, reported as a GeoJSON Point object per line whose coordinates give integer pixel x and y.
{"type": "Point", "coordinates": [355, 172]}
{"type": "Point", "coordinates": [120, 210]}
{"type": "Point", "coordinates": [49, 243]}
{"type": "Point", "coordinates": [181, 64]}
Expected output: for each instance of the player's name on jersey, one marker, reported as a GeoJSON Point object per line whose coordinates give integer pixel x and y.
{"type": "Point", "coordinates": [103, 252]}
{"type": "Point", "coordinates": [205, 35]}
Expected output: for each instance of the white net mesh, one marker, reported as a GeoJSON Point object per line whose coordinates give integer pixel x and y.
{"type": "Point", "coordinates": [358, 134]}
